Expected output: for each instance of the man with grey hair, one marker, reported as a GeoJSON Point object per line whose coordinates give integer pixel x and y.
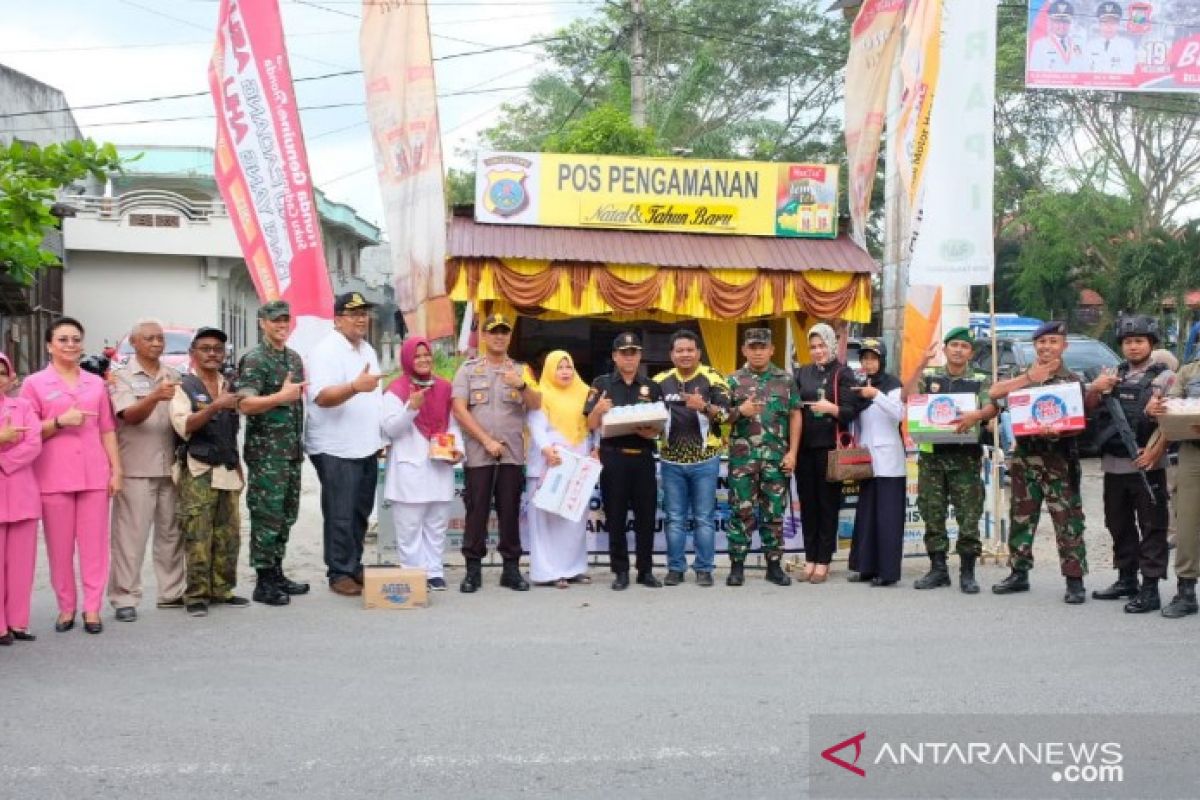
{"type": "Point", "coordinates": [141, 391]}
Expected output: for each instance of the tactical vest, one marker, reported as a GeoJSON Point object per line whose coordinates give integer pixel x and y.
{"type": "Point", "coordinates": [1132, 395]}
{"type": "Point", "coordinates": [216, 443]}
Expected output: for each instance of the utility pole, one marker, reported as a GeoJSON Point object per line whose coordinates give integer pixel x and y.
{"type": "Point", "coordinates": [637, 62]}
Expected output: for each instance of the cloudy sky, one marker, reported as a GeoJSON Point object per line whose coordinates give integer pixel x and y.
{"type": "Point", "coordinates": [99, 51]}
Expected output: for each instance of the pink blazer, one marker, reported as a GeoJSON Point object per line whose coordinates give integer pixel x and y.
{"type": "Point", "coordinates": [19, 496]}
{"type": "Point", "coordinates": [73, 459]}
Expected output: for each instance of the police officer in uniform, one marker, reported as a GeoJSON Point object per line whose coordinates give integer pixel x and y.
{"type": "Point", "coordinates": [764, 440]}
{"type": "Point", "coordinates": [1058, 50]}
{"type": "Point", "coordinates": [627, 480]}
{"type": "Point", "coordinates": [1111, 53]}
{"type": "Point", "coordinates": [1045, 467]}
{"type": "Point", "coordinates": [490, 396]}
{"type": "Point", "coordinates": [949, 473]}
{"type": "Point", "coordinates": [1137, 521]}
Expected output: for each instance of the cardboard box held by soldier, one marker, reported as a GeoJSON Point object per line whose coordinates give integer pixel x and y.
{"type": "Point", "coordinates": [932, 417]}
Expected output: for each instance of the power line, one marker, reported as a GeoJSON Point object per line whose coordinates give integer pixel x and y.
{"type": "Point", "coordinates": [612, 50]}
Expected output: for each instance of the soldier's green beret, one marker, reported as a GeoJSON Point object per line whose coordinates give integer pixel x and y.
{"type": "Point", "coordinates": [961, 333]}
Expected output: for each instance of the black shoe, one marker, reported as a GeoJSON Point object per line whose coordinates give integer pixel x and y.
{"type": "Point", "coordinates": [775, 573]}
{"type": "Point", "coordinates": [437, 584]}
{"type": "Point", "coordinates": [126, 614]}
{"type": "Point", "coordinates": [473, 580]}
{"type": "Point", "coordinates": [648, 580]}
{"type": "Point", "coordinates": [1076, 594]}
{"type": "Point", "coordinates": [966, 574]}
{"type": "Point", "coordinates": [1017, 581]}
{"type": "Point", "coordinates": [704, 579]}
{"type": "Point", "coordinates": [1126, 586]}
{"type": "Point", "coordinates": [266, 590]}
{"type": "Point", "coordinates": [512, 578]}
{"type": "Point", "coordinates": [176, 603]}
{"type": "Point", "coordinates": [1147, 599]}
{"type": "Point", "coordinates": [673, 578]}
{"type": "Point", "coordinates": [289, 586]}
{"type": "Point", "coordinates": [938, 575]}
{"type": "Point", "coordinates": [620, 581]}
{"type": "Point", "coordinates": [6, 639]}
{"type": "Point", "coordinates": [62, 626]}
{"type": "Point", "coordinates": [22, 636]}
{"type": "Point", "coordinates": [878, 581]}
{"type": "Point", "coordinates": [233, 600]}
{"type": "Point", "coordinates": [858, 577]}
{"type": "Point", "coordinates": [737, 574]}
{"type": "Point", "coordinates": [93, 627]}
{"type": "Point", "coordinates": [197, 609]}
{"type": "Point", "coordinates": [1184, 604]}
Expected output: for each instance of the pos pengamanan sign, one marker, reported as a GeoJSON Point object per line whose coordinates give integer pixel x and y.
{"type": "Point", "coordinates": [749, 198]}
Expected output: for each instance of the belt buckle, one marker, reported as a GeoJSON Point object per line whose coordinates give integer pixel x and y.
{"type": "Point", "coordinates": [631, 451]}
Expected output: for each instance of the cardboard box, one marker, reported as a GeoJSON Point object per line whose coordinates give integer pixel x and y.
{"type": "Point", "coordinates": [1040, 410]}
{"type": "Point", "coordinates": [931, 417]}
{"type": "Point", "coordinates": [1176, 424]}
{"type": "Point", "coordinates": [394, 588]}
{"type": "Point", "coordinates": [653, 414]}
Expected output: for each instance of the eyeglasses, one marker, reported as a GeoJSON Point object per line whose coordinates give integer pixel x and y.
{"type": "Point", "coordinates": [215, 349]}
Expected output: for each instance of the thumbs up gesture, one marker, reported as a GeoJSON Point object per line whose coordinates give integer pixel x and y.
{"type": "Point", "coordinates": [417, 399]}
{"type": "Point", "coordinates": [366, 381]}
{"type": "Point", "coordinates": [164, 391]}
{"type": "Point", "coordinates": [11, 433]}
{"type": "Point", "coordinates": [604, 404]}
{"type": "Point", "coordinates": [290, 391]}
{"type": "Point", "coordinates": [695, 401]}
{"type": "Point", "coordinates": [512, 378]}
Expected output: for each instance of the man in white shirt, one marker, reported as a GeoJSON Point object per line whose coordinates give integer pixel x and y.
{"type": "Point", "coordinates": [343, 437]}
{"type": "Point", "coordinates": [1111, 53]}
{"type": "Point", "coordinates": [1059, 50]}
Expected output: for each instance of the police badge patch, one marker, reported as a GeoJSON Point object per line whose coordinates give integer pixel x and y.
{"type": "Point", "coordinates": [505, 194]}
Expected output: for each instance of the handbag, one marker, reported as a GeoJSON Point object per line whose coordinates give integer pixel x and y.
{"type": "Point", "coordinates": [847, 461]}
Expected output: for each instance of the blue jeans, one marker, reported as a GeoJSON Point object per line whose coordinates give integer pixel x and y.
{"type": "Point", "coordinates": [690, 491]}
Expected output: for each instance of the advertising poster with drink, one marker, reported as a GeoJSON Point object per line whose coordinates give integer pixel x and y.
{"type": "Point", "coordinates": [806, 200]}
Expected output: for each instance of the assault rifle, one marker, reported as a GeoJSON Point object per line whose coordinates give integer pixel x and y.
{"type": "Point", "coordinates": [1127, 439]}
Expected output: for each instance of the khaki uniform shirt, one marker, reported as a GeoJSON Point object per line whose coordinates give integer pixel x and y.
{"type": "Point", "coordinates": [498, 408]}
{"type": "Point", "coordinates": [148, 449]}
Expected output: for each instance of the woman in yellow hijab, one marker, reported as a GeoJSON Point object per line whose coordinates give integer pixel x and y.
{"type": "Point", "coordinates": [557, 546]}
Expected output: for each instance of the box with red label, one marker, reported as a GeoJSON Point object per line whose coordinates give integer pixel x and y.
{"type": "Point", "coordinates": [933, 418]}
{"type": "Point", "coordinates": [1042, 410]}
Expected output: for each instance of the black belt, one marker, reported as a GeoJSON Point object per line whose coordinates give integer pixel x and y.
{"type": "Point", "coordinates": [1032, 446]}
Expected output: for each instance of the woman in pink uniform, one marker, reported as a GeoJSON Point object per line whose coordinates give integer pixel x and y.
{"type": "Point", "coordinates": [77, 472]}
{"type": "Point", "coordinates": [20, 507]}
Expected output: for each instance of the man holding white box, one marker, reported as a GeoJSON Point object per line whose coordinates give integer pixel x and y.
{"type": "Point", "coordinates": [1045, 467]}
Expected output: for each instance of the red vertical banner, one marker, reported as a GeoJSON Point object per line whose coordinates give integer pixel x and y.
{"type": "Point", "coordinates": [397, 63]}
{"type": "Point", "coordinates": [262, 168]}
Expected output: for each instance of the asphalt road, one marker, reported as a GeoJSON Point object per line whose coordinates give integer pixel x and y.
{"type": "Point", "coordinates": [681, 692]}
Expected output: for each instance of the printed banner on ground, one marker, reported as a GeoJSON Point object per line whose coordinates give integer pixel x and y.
{"type": "Point", "coordinates": [262, 168]}
{"type": "Point", "coordinates": [657, 194]}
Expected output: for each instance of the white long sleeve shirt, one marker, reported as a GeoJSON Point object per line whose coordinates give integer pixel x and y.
{"type": "Point", "coordinates": [541, 434]}
{"type": "Point", "coordinates": [412, 476]}
{"type": "Point", "coordinates": [878, 430]}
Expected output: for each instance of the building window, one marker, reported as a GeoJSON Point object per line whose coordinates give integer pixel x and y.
{"type": "Point", "coordinates": [341, 268]}
{"type": "Point", "coordinates": [141, 220]}
{"type": "Point", "coordinates": [166, 221]}
{"type": "Point", "coordinates": [354, 262]}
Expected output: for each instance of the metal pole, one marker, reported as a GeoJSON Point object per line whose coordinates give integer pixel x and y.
{"type": "Point", "coordinates": [637, 80]}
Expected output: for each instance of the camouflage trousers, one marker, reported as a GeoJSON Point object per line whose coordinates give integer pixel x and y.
{"type": "Point", "coordinates": [757, 499]}
{"type": "Point", "coordinates": [211, 526]}
{"type": "Point", "coordinates": [273, 497]}
{"type": "Point", "coordinates": [1051, 477]}
{"type": "Point", "coordinates": [950, 478]}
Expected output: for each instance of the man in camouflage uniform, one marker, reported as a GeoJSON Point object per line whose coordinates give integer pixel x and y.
{"type": "Point", "coordinates": [209, 475]}
{"type": "Point", "coordinates": [764, 438]}
{"type": "Point", "coordinates": [1045, 467]}
{"type": "Point", "coordinates": [949, 473]}
{"type": "Point", "coordinates": [270, 388]}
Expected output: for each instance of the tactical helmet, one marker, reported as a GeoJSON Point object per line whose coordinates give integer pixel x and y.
{"type": "Point", "coordinates": [1137, 325]}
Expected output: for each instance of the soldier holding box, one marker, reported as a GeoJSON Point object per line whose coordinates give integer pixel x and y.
{"type": "Point", "coordinates": [1046, 468]}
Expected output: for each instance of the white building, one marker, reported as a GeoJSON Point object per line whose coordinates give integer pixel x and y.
{"type": "Point", "coordinates": [158, 242]}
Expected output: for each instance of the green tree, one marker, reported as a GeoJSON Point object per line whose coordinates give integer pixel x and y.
{"type": "Point", "coordinates": [460, 187]}
{"type": "Point", "coordinates": [30, 179]}
{"type": "Point", "coordinates": [604, 130]}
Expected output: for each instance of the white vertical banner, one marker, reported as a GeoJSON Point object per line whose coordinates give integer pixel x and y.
{"type": "Point", "coordinates": [953, 245]}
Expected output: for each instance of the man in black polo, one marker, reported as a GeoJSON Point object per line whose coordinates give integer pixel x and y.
{"type": "Point", "coordinates": [628, 479]}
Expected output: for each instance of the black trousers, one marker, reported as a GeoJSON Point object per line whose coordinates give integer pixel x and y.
{"type": "Point", "coordinates": [628, 482]}
{"type": "Point", "coordinates": [878, 545]}
{"type": "Point", "coordinates": [820, 501]}
{"type": "Point", "coordinates": [503, 483]}
{"type": "Point", "coordinates": [347, 499]}
{"type": "Point", "coordinates": [1138, 527]}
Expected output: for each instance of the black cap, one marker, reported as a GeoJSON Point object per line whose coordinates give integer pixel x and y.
{"type": "Point", "coordinates": [210, 333]}
{"type": "Point", "coordinates": [350, 301]}
{"type": "Point", "coordinates": [1061, 8]}
{"type": "Point", "coordinates": [1052, 328]}
{"type": "Point", "coordinates": [627, 341]}
{"type": "Point", "coordinates": [493, 321]}
{"type": "Point", "coordinates": [1108, 9]}
{"type": "Point", "coordinates": [757, 336]}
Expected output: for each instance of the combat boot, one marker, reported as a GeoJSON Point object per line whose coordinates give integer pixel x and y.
{"type": "Point", "coordinates": [512, 578]}
{"type": "Point", "coordinates": [775, 573]}
{"type": "Point", "coordinates": [287, 585]}
{"type": "Point", "coordinates": [938, 574]}
{"type": "Point", "coordinates": [1147, 599]}
{"type": "Point", "coordinates": [737, 575]}
{"type": "Point", "coordinates": [1126, 586]}
{"type": "Point", "coordinates": [1184, 602]}
{"type": "Point", "coordinates": [267, 591]}
{"type": "Point", "coordinates": [474, 577]}
{"type": "Point", "coordinates": [966, 574]}
{"type": "Point", "coordinates": [1017, 581]}
{"type": "Point", "coordinates": [1076, 593]}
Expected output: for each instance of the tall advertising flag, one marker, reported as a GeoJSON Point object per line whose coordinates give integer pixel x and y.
{"type": "Point", "coordinates": [874, 38]}
{"type": "Point", "coordinates": [402, 108]}
{"type": "Point", "coordinates": [262, 168]}
{"type": "Point", "coordinates": [953, 245]}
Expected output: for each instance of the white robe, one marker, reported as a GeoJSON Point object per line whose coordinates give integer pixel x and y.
{"type": "Point", "coordinates": [557, 546]}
